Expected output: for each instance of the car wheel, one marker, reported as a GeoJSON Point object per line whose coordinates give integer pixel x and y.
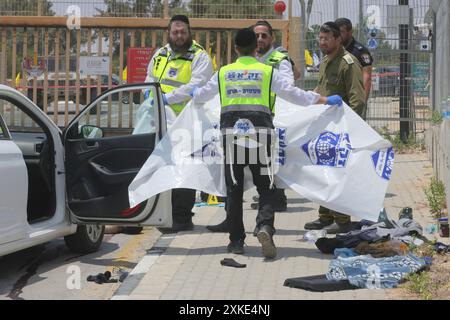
{"type": "Point", "coordinates": [87, 239]}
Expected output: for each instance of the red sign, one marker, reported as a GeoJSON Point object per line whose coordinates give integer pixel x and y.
{"type": "Point", "coordinates": [137, 63]}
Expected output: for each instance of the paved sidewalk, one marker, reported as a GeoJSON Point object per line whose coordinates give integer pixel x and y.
{"type": "Point", "coordinates": [187, 265]}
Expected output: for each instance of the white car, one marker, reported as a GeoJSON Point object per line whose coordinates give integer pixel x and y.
{"type": "Point", "coordinates": [71, 183]}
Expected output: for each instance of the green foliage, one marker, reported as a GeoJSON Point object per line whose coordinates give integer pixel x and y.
{"type": "Point", "coordinates": [399, 145]}
{"type": "Point", "coordinates": [25, 8]}
{"type": "Point", "coordinates": [312, 42]}
{"type": "Point", "coordinates": [232, 9]}
{"type": "Point", "coordinates": [436, 118]}
{"type": "Point", "coordinates": [419, 283]}
{"type": "Point", "coordinates": [435, 194]}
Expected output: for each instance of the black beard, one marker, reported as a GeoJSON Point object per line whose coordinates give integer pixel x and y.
{"type": "Point", "coordinates": [262, 51]}
{"type": "Point", "coordinates": [183, 48]}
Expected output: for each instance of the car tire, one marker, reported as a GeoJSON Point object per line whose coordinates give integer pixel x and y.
{"type": "Point", "coordinates": [87, 239]}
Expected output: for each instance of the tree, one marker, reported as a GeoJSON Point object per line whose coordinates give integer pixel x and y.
{"type": "Point", "coordinates": [139, 9]}
{"type": "Point", "coordinates": [232, 9]}
{"type": "Point", "coordinates": [25, 8]}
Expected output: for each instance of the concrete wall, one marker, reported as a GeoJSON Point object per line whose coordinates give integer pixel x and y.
{"type": "Point", "coordinates": [437, 140]}
{"type": "Point", "coordinates": [438, 137]}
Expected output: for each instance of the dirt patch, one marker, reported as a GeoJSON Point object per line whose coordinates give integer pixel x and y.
{"type": "Point", "coordinates": [433, 284]}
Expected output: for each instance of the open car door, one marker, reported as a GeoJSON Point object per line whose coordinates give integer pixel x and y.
{"type": "Point", "coordinates": [104, 151]}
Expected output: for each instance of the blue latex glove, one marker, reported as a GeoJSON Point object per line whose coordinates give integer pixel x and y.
{"type": "Point", "coordinates": [164, 100]}
{"type": "Point", "coordinates": [147, 94]}
{"type": "Point", "coordinates": [193, 91]}
{"type": "Point", "coordinates": [334, 100]}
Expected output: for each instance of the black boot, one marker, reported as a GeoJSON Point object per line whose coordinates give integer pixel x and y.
{"type": "Point", "coordinates": [337, 228]}
{"type": "Point", "coordinates": [318, 224]}
{"type": "Point", "coordinates": [178, 226]}
{"type": "Point", "coordinates": [221, 227]}
{"type": "Point", "coordinates": [265, 237]}
{"type": "Point", "coordinates": [236, 247]}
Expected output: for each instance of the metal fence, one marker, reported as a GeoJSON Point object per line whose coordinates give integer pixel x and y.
{"type": "Point", "coordinates": [28, 42]}
{"type": "Point", "coordinates": [222, 9]}
{"type": "Point", "coordinates": [399, 37]}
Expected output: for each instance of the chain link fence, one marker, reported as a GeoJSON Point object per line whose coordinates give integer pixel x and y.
{"type": "Point", "coordinates": [221, 9]}
{"type": "Point", "coordinates": [398, 32]}
{"type": "Point", "coordinates": [399, 36]}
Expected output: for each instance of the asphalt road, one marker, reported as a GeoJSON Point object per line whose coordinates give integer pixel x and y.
{"type": "Point", "coordinates": [52, 272]}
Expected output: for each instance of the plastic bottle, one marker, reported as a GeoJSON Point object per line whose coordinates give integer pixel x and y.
{"type": "Point", "coordinates": [406, 213]}
{"type": "Point", "coordinates": [446, 108]}
{"type": "Point", "coordinates": [398, 246]}
{"type": "Point", "coordinates": [314, 235]}
{"type": "Point", "coordinates": [383, 216]}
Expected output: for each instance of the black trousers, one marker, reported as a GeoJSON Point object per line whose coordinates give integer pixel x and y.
{"type": "Point", "coordinates": [183, 201]}
{"type": "Point", "coordinates": [235, 164]}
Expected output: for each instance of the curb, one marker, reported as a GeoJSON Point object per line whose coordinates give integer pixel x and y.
{"type": "Point", "coordinates": [137, 274]}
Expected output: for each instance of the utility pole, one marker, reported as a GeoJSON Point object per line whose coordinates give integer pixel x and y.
{"type": "Point", "coordinates": [166, 9]}
{"type": "Point", "coordinates": [361, 20]}
{"type": "Point", "coordinates": [405, 76]}
{"type": "Point", "coordinates": [336, 9]}
{"type": "Point", "coordinates": [39, 8]}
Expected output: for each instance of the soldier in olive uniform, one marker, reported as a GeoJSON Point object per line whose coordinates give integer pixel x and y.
{"type": "Point", "coordinates": [341, 74]}
{"type": "Point", "coordinates": [359, 51]}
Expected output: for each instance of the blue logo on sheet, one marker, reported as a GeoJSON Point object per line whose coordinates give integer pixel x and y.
{"type": "Point", "coordinates": [281, 134]}
{"type": "Point", "coordinates": [329, 149]}
{"type": "Point", "coordinates": [210, 149]}
{"type": "Point", "coordinates": [383, 160]}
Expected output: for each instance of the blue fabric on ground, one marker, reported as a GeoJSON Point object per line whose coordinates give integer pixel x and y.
{"type": "Point", "coordinates": [344, 253]}
{"type": "Point", "coordinates": [374, 273]}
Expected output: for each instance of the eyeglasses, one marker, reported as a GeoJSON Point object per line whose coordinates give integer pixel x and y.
{"type": "Point", "coordinates": [262, 35]}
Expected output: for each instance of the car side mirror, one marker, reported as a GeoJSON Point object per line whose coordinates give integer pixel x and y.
{"type": "Point", "coordinates": [91, 132]}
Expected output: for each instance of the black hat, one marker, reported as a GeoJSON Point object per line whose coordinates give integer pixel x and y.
{"type": "Point", "coordinates": [245, 38]}
{"type": "Point", "coordinates": [180, 17]}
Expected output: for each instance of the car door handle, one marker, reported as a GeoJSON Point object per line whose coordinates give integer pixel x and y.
{"type": "Point", "coordinates": [92, 144]}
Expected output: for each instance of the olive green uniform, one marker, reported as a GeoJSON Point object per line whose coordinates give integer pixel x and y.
{"type": "Point", "coordinates": [342, 76]}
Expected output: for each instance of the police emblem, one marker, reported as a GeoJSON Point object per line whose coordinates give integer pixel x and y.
{"type": "Point", "coordinates": [243, 127]}
{"type": "Point", "coordinates": [383, 161]}
{"type": "Point", "coordinates": [329, 149]}
{"type": "Point", "coordinates": [172, 73]}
